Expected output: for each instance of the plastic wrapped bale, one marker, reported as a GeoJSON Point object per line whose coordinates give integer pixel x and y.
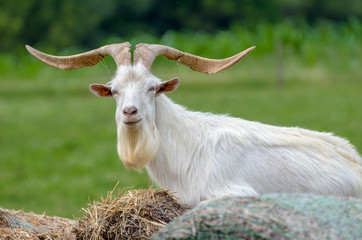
{"type": "Point", "coordinates": [21, 225]}
{"type": "Point", "coordinates": [137, 214]}
{"type": "Point", "coordinates": [270, 217]}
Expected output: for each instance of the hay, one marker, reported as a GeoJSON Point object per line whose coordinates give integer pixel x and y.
{"type": "Point", "coordinates": [21, 225]}
{"type": "Point", "coordinates": [135, 215]}
{"type": "Point", "coordinates": [275, 216]}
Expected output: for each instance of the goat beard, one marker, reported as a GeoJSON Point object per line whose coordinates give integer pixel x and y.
{"type": "Point", "coordinates": [136, 147]}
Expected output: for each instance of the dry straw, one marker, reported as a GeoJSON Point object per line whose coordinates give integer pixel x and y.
{"type": "Point", "coordinates": [135, 215]}
{"type": "Point", "coordinates": [20, 225]}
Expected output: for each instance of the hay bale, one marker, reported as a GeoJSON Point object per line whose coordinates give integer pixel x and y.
{"type": "Point", "coordinates": [135, 215]}
{"type": "Point", "coordinates": [21, 225]}
{"type": "Point", "coordinates": [270, 217]}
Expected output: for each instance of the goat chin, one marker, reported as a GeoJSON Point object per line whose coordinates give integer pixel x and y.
{"type": "Point", "coordinates": [136, 147]}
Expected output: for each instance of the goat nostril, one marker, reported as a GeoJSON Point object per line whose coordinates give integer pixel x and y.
{"type": "Point", "coordinates": [129, 111]}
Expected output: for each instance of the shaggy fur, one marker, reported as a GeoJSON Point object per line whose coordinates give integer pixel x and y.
{"type": "Point", "coordinates": [199, 156]}
{"type": "Point", "coordinates": [138, 145]}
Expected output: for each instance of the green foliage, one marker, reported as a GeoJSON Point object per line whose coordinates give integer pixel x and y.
{"type": "Point", "coordinates": [53, 23]}
{"type": "Point", "coordinates": [76, 23]}
{"type": "Point", "coordinates": [333, 45]}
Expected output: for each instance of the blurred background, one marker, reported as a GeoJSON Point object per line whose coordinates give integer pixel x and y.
{"type": "Point", "coordinates": [58, 141]}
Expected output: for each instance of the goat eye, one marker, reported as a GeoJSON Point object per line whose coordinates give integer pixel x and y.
{"type": "Point", "coordinates": [114, 92]}
{"type": "Point", "coordinates": [151, 89]}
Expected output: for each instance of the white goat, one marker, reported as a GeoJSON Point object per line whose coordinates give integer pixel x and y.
{"type": "Point", "coordinates": [199, 156]}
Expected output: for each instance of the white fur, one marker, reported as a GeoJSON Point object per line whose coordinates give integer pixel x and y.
{"type": "Point", "coordinates": [199, 156]}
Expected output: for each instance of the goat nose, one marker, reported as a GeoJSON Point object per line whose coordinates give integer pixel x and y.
{"type": "Point", "coordinates": [130, 111]}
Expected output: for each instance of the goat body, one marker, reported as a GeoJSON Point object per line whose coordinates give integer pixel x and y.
{"type": "Point", "coordinates": [202, 156]}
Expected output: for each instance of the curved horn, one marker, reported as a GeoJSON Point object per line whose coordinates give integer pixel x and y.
{"type": "Point", "coordinates": [120, 53]}
{"type": "Point", "coordinates": [146, 54]}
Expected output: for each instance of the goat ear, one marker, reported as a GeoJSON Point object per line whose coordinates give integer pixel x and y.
{"type": "Point", "coordinates": [101, 90]}
{"type": "Point", "coordinates": [168, 86]}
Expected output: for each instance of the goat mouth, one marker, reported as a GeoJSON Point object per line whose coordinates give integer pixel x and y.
{"type": "Point", "coordinates": [131, 123]}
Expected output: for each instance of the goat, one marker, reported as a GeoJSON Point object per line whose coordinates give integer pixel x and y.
{"type": "Point", "coordinates": [200, 156]}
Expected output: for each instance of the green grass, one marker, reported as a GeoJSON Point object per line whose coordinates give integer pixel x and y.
{"type": "Point", "coordinates": [58, 145]}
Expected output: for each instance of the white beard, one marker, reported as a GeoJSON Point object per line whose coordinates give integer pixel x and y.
{"type": "Point", "coordinates": [136, 147]}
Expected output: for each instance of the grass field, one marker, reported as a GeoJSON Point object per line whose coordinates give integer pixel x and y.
{"type": "Point", "coordinates": [58, 141]}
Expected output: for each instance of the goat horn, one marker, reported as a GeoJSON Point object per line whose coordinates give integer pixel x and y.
{"type": "Point", "coordinates": [146, 54]}
{"type": "Point", "coordinates": [120, 53]}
